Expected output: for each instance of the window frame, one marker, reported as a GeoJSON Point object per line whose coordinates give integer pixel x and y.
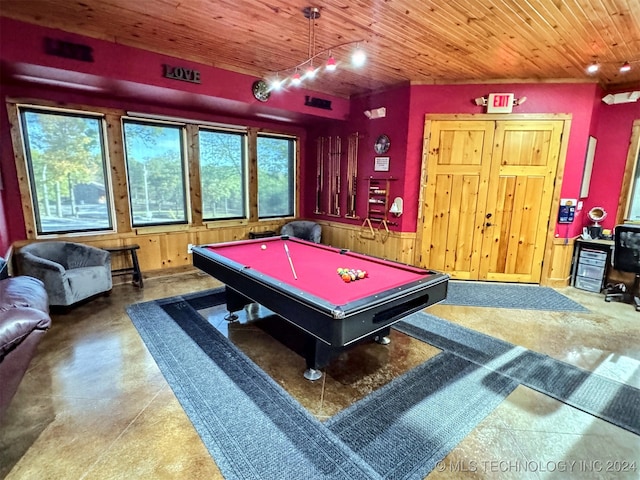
{"type": "Point", "coordinates": [293, 179]}
{"type": "Point", "coordinates": [244, 134]}
{"type": "Point", "coordinates": [631, 173]}
{"type": "Point", "coordinates": [184, 162]}
{"type": "Point", "coordinates": [117, 181]}
{"type": "Point", "coordinates": [33, 208]}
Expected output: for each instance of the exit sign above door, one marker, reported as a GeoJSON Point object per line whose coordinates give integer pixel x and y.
{"type": "Point", "coordinates": [500, 103]}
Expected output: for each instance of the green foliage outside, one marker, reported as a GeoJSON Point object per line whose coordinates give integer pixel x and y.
{"type": "Point", "coordinates": [65, 152]}
{"type": "Point", "coordinates": [71, 193]}
{"type": "Point", "coordinates": [275, 177]}
{"type": "Point", "coordinates": [155, 169]}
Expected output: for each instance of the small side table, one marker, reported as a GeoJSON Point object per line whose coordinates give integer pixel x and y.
{"type": "Point", "coordinates": [134, 269]}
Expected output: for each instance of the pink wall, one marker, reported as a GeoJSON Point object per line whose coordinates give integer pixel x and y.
{"type": "Point", "coordinates": [121, 71]}
{"type": "Point", "coordinates": [574, 99]}
{"type": "Point", "coordinates": [130, 79]}
{"type": "Point", "coordinates": [404, 124]}
{"type": "Point", "coordinates": [394, 125]}
{"type": "Point", "coordinates": [612, 133]}
{"type": "Point", "coordinates": [5, 242]}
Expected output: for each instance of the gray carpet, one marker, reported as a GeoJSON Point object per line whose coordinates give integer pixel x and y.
{"type": "Point", "coordinates": [506, 295]}
{"type": "Point", "coordinates": [404, 428]}
{"type": "Point", "coordinates": [251, 426]}
{"type": "Point", "coordinates": [599, 396]}
{"type": "Point", "coordinates": [254, 429]}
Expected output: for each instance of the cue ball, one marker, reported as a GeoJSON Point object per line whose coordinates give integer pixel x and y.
{"type": "Point", "coordinates": [263, 247]}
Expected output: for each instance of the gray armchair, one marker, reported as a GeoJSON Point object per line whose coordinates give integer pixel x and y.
{"type": "Point", "coordinates": [71, 272]}
{"type": "Point", "coordinates": [304, 229]}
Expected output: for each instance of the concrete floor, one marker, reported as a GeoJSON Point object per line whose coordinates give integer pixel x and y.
{"type": "Point", "coordinates": [94, 404]}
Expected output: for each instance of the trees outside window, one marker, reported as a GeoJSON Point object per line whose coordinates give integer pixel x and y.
{"type": "Point", "coordinates": [634, 199]}
{"type": "Point", "coordinates": [222, 174]}
{"type": "Point", "coordinates": [245, 174]}
{"type": "Point", "coordinates": [67, 168]}
{"type": "Point", "coordinates": [276, 176]}
{"type": "Point", "coordinates": [154, 155]}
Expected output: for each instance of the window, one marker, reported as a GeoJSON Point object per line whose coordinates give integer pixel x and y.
{"type": "Point", "coordinates": [630, 192]}
{"type": "Point", "coordinates": [156, 174]}
{"type": "Point", "coordinates": [67, 168]}
{"type": "Point", "coordinates": [634, 199]}
{"type": "Point", "coordinates": [222, 174]}
{"type": "Point", "coordinates": [276, 176]}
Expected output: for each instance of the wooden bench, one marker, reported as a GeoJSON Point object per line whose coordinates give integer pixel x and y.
{"type": "Point", "coordinates": [265, 234]}
{"type": "Point", "coordinates": [134, 269]}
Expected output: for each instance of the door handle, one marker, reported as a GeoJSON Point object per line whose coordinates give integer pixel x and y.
{"type": "Point", "coordinates": [488, 215]}
{"type": "Point", "coordinates": [488, 224]}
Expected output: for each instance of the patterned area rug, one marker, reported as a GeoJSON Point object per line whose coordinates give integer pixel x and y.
{"type": "Point", "coordinates": [507, 295]}
{"type": "Point", "coordinates": [255, 430]}
{"type": "Point", "coordinates": [599, 396]}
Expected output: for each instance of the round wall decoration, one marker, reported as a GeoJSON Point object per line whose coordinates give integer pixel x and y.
{"type": "Point", "coordinates": [261, 90]}
{"type": "Point", "coordinates": [382, 144]}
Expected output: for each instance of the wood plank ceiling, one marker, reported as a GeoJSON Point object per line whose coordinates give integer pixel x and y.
{"type": "Point", "coordinates": [419, 41]}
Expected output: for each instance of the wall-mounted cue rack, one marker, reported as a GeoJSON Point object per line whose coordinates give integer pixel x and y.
{"type": "Point", "coordinates": [377, 209]}
{"type": "Point", "coordinates": [352, 176]}
{"type": "Point", "coordinates": [329, 155]}
{"type": "Point", "coordinates": [320, 146]}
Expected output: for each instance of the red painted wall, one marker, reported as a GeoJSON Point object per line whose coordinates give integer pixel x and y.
{"type": "Point", "coordinates": [394, 125]}
{"type": "Point", "coordinates": [121, 71]}
{"type": "Point", "coordinates": [574, 99]}
{"type": "Point", "coordinates": [130, 79]}
{"type": "Point", "coordinates": [613, 133]}
{"type": "Point", "coordinates": [407, 106]}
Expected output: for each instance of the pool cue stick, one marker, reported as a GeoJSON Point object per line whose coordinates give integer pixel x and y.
{"type": "Point", "coordinates": [293, 270]}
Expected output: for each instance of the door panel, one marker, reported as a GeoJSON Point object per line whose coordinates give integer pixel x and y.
{"type": "Point", "coordinates": [458, 165]}
{"type": "Point", "coordinates": [523, 169]}
{"type": "Point", "coordinates": [487, 197]}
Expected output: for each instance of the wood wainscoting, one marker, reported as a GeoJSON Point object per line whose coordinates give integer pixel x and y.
{"type": "Point", "coordinates": [165, 252]}
{"type": "Point", "coordinates": [401, 247]}
{"type": "Point", "coordinates": [556, 271]}
{"type": "Point", "coordinates": [397, 246]}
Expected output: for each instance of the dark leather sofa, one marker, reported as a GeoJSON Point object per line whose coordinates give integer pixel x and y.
{"type": "Point", "coordinates": [24, 318]}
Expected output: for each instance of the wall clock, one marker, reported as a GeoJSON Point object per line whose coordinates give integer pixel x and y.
{"type": "Point", "coordinates": [261, 90]}
{"type": "Point", "coordinates": [382, 144]}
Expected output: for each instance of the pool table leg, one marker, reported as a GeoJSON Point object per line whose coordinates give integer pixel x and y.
{"type": "Point", "coordinates": [231, 317]}
{"type": "Point", "coordinates": [383, 337]}
{"type": "Point", "coordinates": [318, 355]}
{"type": "Point", "coordinates": [235, 302]}
{"type": "Point", "coordinates": [312, 374]}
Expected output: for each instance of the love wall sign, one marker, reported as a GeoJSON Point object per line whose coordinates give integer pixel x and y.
{"type": "Point", "coordinates": [181, 73]}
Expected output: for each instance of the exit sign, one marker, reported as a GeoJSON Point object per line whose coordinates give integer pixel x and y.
{"type": "Point", "coordinates": [500, 103]}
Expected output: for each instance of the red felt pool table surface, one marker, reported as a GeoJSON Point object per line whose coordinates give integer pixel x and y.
{"type": "Point", "coordinates": [316, 268]}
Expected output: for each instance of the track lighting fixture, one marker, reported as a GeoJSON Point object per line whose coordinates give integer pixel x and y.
{"type": "Point", "coordinates": [593, 68]}
{"type": "Point", "coordinates": [292, 76]}
{"type": "Point", "coordinates": [625, 66]}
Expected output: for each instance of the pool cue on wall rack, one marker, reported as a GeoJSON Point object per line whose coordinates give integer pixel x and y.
{"type": "Point", "coordinates": [293, 270]}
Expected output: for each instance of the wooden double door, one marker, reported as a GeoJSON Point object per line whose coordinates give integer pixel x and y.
{"type": "Point", "coordinates": [487, 196]}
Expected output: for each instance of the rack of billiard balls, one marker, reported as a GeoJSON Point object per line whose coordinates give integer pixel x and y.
{"type": "Point", "coordinates": [351, 275]}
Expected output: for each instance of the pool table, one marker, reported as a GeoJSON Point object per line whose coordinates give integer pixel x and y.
{"type": "Point", "coordinates": [299, 281]}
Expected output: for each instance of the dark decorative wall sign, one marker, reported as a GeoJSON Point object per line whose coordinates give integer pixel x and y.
{"type": "Point", "coordinates": [317, 102]}
{"type": "Point", "coordinates": [181, 73]}
{"type": "Point", "coordinates": [74, 51]}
